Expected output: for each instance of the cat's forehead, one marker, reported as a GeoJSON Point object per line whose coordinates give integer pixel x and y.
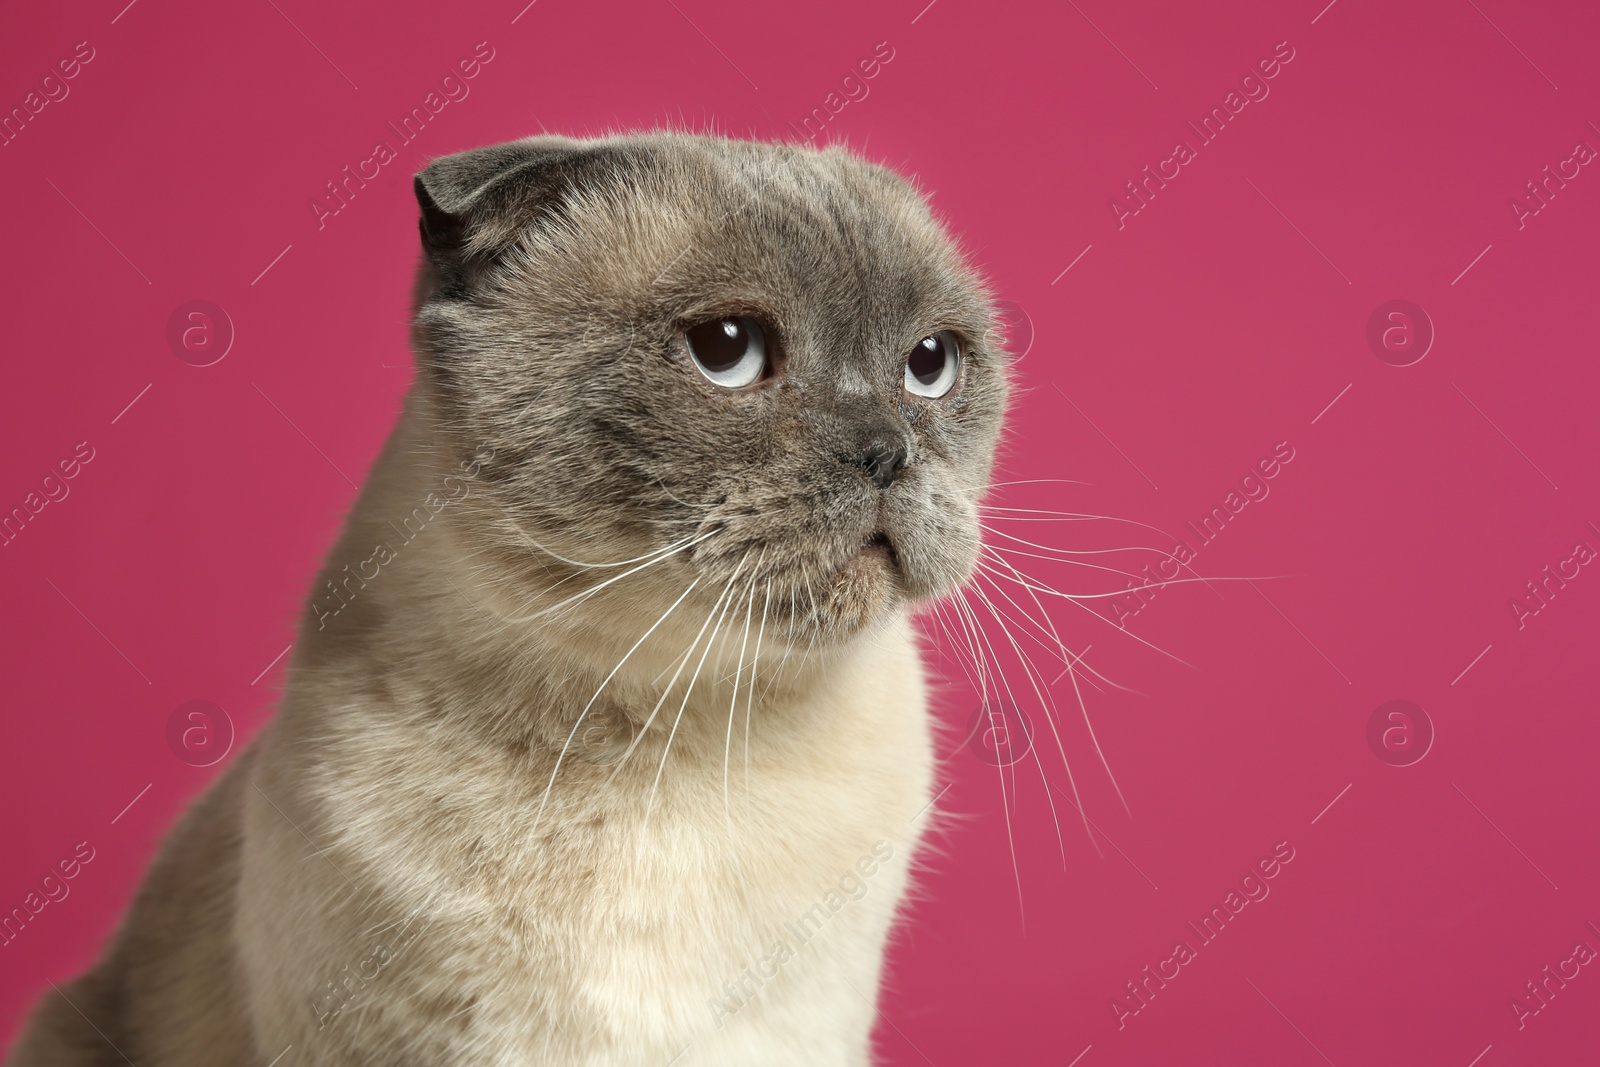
{"type": "Point", "coordinates": [699, 226]}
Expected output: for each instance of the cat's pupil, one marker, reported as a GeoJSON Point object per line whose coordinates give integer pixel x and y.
{"type": "Point", "coordinates": [928, 359]}
{"type": "Point", "coordinates": [722, 344]}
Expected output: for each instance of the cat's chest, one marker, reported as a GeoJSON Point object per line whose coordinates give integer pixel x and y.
{"type": "Point", "coordinates": [733, 844]}
{"type": "Point", "coordinates": [745, 899]}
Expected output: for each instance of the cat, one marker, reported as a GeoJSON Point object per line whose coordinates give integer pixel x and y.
{"type": "Point", "coordinates": [605, 739]}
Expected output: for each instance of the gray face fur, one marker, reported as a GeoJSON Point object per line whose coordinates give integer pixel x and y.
{"type": "Point", "coordinates": [560, 278]}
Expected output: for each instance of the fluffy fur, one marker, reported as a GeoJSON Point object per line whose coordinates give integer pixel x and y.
{"type": "Point", "coordinates": [605, 739]}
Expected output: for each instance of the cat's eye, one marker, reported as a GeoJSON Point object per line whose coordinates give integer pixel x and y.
{"type": "Point", "coordinates": [933, 365]}
{"type": "Point", "coordinates": [733, 352]}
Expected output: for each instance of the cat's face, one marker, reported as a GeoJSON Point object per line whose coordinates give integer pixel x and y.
{"type": "Point", "coordinates": [770, 357]}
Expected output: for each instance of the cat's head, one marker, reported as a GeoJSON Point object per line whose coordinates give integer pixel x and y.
{"type": "Point", "coordinates": [768, 363]}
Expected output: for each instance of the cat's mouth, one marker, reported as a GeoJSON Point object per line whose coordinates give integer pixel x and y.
{"type": "Point", "coordinates": [879, 546]}
{"type": "Point", "coordinates": [868, 582]}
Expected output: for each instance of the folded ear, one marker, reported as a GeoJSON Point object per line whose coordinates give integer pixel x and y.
{"type": "Point", "coordinates": [474, 202]}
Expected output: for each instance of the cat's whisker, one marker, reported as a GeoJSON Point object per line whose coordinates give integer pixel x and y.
{"type": "Point", "coordinates": [527, 539]}
{"type": "Point", "coordinates": [675, 498]}
{"type": "Point", "coordinates": [1073, 516]}
{"type": "Point", "coordinates": [981, 665]}
{"type": "Point", "coordinates": [1025, 481]}
{"type": "Point", "coordinates": [733, 703]}
{"type": "Point", "coordinates": [1159, 584]}
{"type": "Point", "coordinates": [579, 598]}
{"type": "Point", "coordinates": [986, 552]}
{"type": "Point", "coordinates": [996, 549]}
{"type": "Point", "coordinates": [750, 696]}
{"type": "Point", "coordinates": [1039, 518]}
{"type": "Point", "coordinates": [1036, 680]}
{"type": "Point", "coordinates": [993, 548]}
{"type": "Point", "coordinates": [1046, 707]}
{"type": "Point", "coordinates": [816, 619]}
{"type": "Point", "coordinates": [791, 611]}
{"type": "Point", "coordinates": [1071, 659]}
{"type": "Point", "coordinates": [1075, 601]}
{"type": "Point", "coordinates": [1084, 707]}
{"type": "Point", "coordinates": [1011, 514]}
{"type": "Point", "coordinates": [945, 628]}
{"type": "Point", "coordinates": [1029, 585]}
{"type": "Point", "coordinates": [1109, 595]}
{"type": "Point", "coordinates": [672, 664]}
{"type": "Point", "coordinates": [1070, 516]}
{"type": "Point", "coordinates": [971, 662]}
{"type": "Point", "coordinates": [545, 799]}
{"type": "Point", "coordinates": [1043, 632]}
{"type": "Point", "coordinates": [682, 661]}
{"type": "Point", "coordinates": [1016, 514]}
{"type": "Point", "coordinates": [688, 691]}
{"type": "Point", "coordinates": [970, 623]}
{"type": "Point", "coordinates": [788, 648]}
{"type": "Point", "coordinates": [1065, 555]}
{"type": "Point", "coordinates": [1070, 662]}
{"type": "Point", "coordinates": [689, 520]}
{"type": "Point", "coordinates": [536, 596]}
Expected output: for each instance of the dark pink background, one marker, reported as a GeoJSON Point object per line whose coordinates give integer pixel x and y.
{"type": "Point", "coordinates": [1223, 319]}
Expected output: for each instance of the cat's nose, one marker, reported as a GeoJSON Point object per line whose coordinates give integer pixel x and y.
{"type": "Point", "coordinates": [883, 461]}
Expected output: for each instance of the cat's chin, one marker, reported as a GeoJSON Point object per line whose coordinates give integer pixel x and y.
{"type": "Point", "coordinates": [865, 590]}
